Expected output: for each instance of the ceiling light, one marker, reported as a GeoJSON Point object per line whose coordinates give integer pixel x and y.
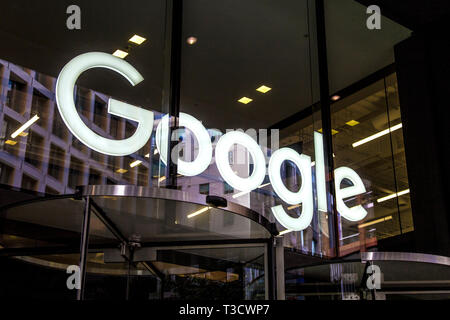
{"type": "Point", "coordinates": [294, 206]}
{"type": "Point", "coordinates": [245, 100]}
{"type": "Point", "coordinates": [284, 232]}
{"type": "Point", "coordinates": [191, 40]}
{"type": "Point", "coordinates": [23, 134]}
{"type": "Point", "coordinates": [135, 163]}
{"type": "Point", "coordinates": [120, 54]}
{"type": "Point", "coordinates": [376, 135]}
{"type": "Point", "coordinates": [156, 151]}
{"type": "Point", "coordinates": [333, 132]}
{"type": "Point", "coordinates": [162, 179]}
{"type": "Point", "coordinates": [121, 170]}
{"type": "Point", "coordinates": [335, 98]}
{"type": "Point", "coordinates": [264, 89]}
{"type": "Point", "coordinates": [350, 236]}
{"type": "Point", "coordinates": [352, 123]}
{"type": "Point", "coordinates": [375, 222]}
{"type": "Point", "coordinates": [11, 142]}
{"type": "Point", "coordinates": [394, 195]}
{"type": "Point", "coordinates": [137, 39]}
{"type": "Point", "coordinates": [196, 213]}
{"type": "Point", "coordinates": [147, 155]}
{"type": "Point", "coordinates": [25, 126]}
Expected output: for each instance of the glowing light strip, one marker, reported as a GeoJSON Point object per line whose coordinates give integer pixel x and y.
{"type": "Point", "coordinates": [284, 232]}
{"type": "Point", "coordinates": [394, 195]}
{"type": "Point", "coordinates": [294, 207]}
{"type": "Point", "coordinates": [350, 236]}
{"type": "Point", "coordinates": [196, 213]}
{"type": "Point", "coordinates": [135, 163]}
{"type": "Point", "coordinates": [25, 126]}
{"type": "Point", "coordinates": [237, 195]}
{"type": "Point", "coordinates": [377, 135]}
{"type": "Point", "coordinates": [375, 222]}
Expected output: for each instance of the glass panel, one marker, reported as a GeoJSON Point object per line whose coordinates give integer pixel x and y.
{"type": "Point", "coordinates": [369, 140]}
{"type": "Point", "coordinates": [355, 52]}
{"type": "Point", "coordinates": [168, 220]}
{"type": "Point", "coordinates": [253, 63]}
{"type": "Point", "coordinates": [45, 154]}
{"type": "Point", "coordinates": [348, 281]}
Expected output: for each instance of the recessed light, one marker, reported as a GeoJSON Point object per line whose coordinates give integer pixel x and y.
{"type": "Point", "coordinates": [335, 98]}
{"type": "Point", "coordinates": [120, 54]}
{"type": "Point", "coordinates": [147, 155]}
{"type": "Point", "coordinates": [135, 163]}
{"type": "Point", "coordinates": [137, 39]}
{"type": "Point", "coordinates": [191, 40]}
{"type": "Point", "coordinates": [245, 100]}
{"type": "Point", "coordinates": [352, 123]}
{"type": "Point", "coordinates": [11, 142]}
{"type": "Point", "coordinates": [264, 89]}
{"type": "Point", "coordinates": [121, 170]}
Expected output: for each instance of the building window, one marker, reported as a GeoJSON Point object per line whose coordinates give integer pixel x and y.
{"type": "Point", "coordinates": [35, 149]}
{"type": "Point", "coordinates": [82, 101]}
{"type": "Point", "coordinates": [77, 144]}
{"type": "Point", "coordinates": [97, 156]}
{"type": "Point", "coordinates": [29, 183]}
{"type": "Point", "coordinates": [227, 188]}
{"type": "Point", "coordinates": [6, 174]}
{"type": "Point", "coordinates": [40, 105]}
{"type": "Point", "coordinates": [95, 178]}
{"type": "Point", "coordinates": [16, 95]}
{"type": "Point", "coordinates": [114, 127]}
{"type": "Point", "coordinates": [56, 162]}
{"type": "Point", "coordinates": [129, 129]}
{"type": "Point", "coordinates": [100, 114]}
{"type": "Point", "coordinates": [59, 128]}
{"type": "Point", "coordinates": [7, 143]}
{"type": "Point", "coordinates": [110, 181]}
{"type": "Point", "coordinates": [49, 190]}
{"type": "Point", "coordinates": [142, 176]}
{"type": "Point", "coordinates": [75, 173]}
{"type": "Point", "coordinates": [203, 188]}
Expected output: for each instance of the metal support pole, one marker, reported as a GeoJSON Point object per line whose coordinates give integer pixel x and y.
{"type": "Point", "coordinates": [84, 246]}
{"type": "Point", "coordinates": [173, 81]}
{"type": "Point", "coordinates": [326, 124]}
{"type": "Point", "coordinates": [269, 270]}
{"type": "Point", "coordinates": [279, 257]}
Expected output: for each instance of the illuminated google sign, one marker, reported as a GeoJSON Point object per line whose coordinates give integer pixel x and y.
{"type": "Point", "coordinates": [64, 98]}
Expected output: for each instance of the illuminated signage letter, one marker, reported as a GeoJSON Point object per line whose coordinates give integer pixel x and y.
{"type": "Point", "coordinates": [355, 213]}
{"type": "Point", "coordinates": [259, 168]}
{"type": "Point", "coordinates": [64, 98]}
{"type": "Point", "coordinates": [303, 196]}
{"type": "Point", "coordinates": [204, 155]}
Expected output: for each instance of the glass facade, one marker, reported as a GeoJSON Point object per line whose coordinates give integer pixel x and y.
{"type": "Point", "coordinates": [152, 231]}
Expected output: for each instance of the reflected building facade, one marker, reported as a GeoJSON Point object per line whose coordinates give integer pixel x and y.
{"type": "Point", "coordinates": [148, 232]}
